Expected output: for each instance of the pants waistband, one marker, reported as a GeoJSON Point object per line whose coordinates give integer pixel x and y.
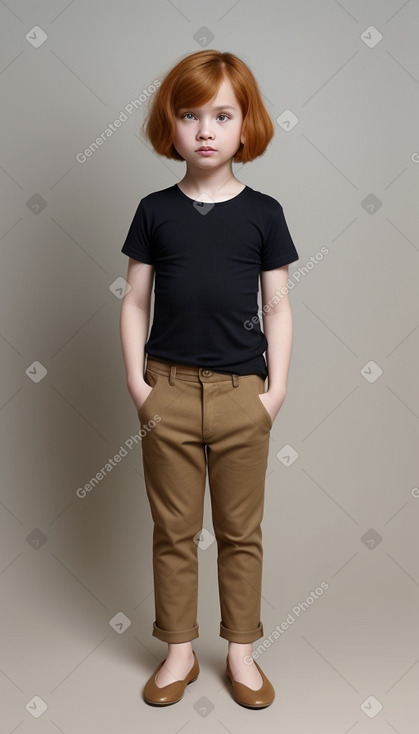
{"type": "Point", "coordinates": [190, 373]}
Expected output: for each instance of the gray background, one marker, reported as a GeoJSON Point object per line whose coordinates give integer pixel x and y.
{"type": "Point", "coordinates": [76, 573]}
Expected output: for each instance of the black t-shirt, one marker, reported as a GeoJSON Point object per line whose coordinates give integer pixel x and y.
{"type": "Point", "coordinates": [207, 260]}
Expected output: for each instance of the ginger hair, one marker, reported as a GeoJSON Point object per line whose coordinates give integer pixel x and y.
{"type": "Point", "coordinates": [194, 81]}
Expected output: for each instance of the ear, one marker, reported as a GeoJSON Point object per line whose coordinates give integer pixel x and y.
{"type": "Point", "coordinates": [242, 139]}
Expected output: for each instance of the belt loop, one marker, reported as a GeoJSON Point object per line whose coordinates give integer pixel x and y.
{"type": "Point", "coordinates": [172, 374]}
{"type": "Point", "coordinates": [235, 380]}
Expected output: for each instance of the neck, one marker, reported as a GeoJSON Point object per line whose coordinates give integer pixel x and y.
{"type": "Point", "coordinates": [214, 183]}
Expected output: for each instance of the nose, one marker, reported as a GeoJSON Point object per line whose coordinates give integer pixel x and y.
{"type": "Point", "coordinates": [205, 136]}
{"type": "Point", "coordinates": [204, 132]}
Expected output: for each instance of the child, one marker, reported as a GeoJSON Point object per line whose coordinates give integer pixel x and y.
{"type": "Point", "coordinates": [207, 240]}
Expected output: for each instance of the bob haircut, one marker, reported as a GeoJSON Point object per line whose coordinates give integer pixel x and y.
{"type": "Point", "coordinates": [194, 81]}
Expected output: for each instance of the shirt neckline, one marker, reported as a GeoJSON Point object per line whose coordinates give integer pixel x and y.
{"type": "Point", "coordinates": [216, 203]}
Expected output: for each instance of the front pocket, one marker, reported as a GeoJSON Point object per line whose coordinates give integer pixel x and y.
{"type": "Point", "coordinates": [152, 379]}
{"type": "Point", "coordinates": [258, 386]}
{"type": "Point", "coordinates": [253, 385]}
{"type": "Point", "coordinates": [268, 415]}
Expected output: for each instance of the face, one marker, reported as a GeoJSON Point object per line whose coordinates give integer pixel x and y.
{"type": "Point", "coordinates": [216, 124]}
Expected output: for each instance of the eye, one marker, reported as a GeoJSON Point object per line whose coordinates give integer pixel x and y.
{"type": "Point", "coordinates": [189, 115]}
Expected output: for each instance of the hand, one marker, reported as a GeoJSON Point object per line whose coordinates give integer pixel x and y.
{"type": "Point", "coordinates": [273, 401]}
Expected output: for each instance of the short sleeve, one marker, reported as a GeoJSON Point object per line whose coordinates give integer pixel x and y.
{"type": "Point", "coordinates": [138, 242]}
{"type": "Point", "coordinates": [278, 247]}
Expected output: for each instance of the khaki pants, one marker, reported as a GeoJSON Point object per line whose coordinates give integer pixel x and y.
{"type": "Point", "coordinates": [214, 420]}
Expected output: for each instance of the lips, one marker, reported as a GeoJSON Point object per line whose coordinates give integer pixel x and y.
{"type": "Point", "coordinates": [205, 147]}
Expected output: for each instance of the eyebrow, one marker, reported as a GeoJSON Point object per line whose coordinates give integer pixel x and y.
{"type": "Point", "coordinates": [220, 107]}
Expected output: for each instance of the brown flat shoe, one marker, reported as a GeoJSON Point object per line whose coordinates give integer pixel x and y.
{"type": "Point", "coordinates": [255, 699]}
{"type": "Point", "coordinates": [173, 692]}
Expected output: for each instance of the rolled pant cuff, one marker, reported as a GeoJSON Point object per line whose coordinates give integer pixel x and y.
{"type": "Point", "coordinates": [182, 636]}
{"type": "Point", "coordinates": [243, 637]}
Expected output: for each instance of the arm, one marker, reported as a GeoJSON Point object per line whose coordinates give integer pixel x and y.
{"type": "Point", "coordinates": [277, 326]}
{"type": "Point", "coordinates": [134, 326]}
